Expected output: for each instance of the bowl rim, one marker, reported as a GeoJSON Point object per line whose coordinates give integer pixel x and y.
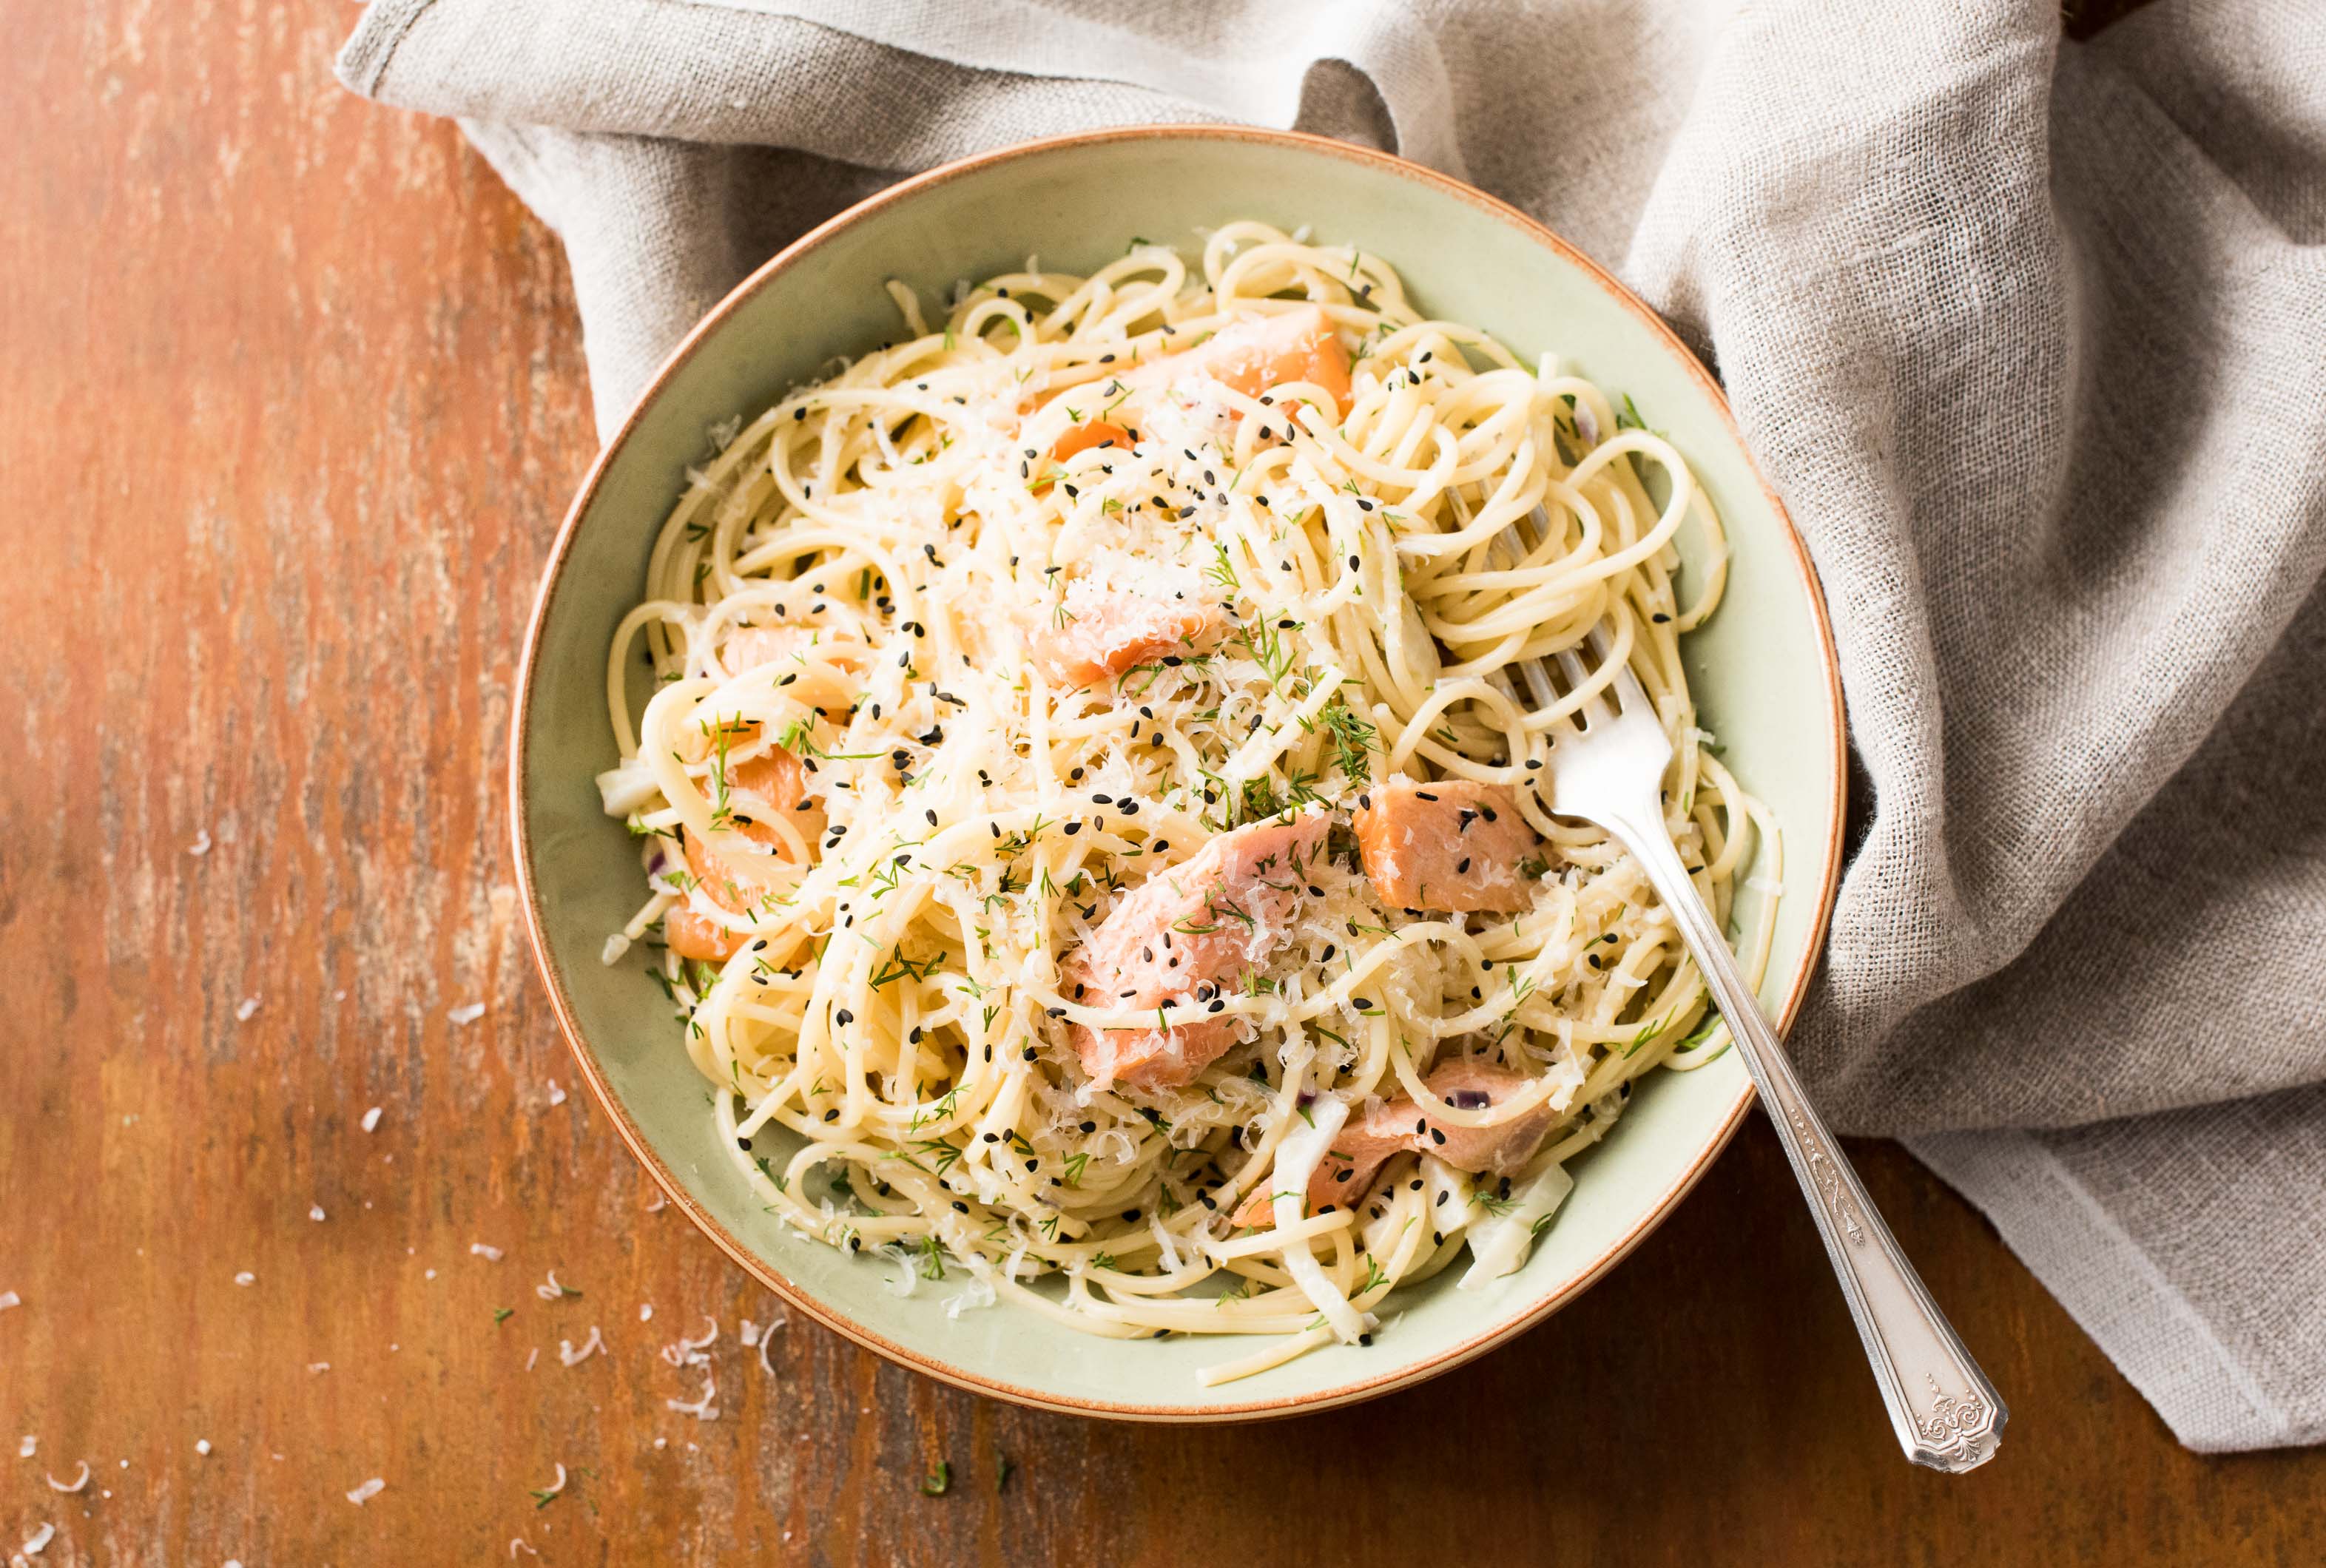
{"type": "Point", "coordinates": [1489, 1336]}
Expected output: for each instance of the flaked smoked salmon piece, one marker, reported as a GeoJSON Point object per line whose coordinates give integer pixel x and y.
{"type": "Point", "coordinates": [691, 936]}
{"type": "Point", "coordinates": [743, 883]}
{"type": "Point", "coordinates": [1249, 356]}
{"type": "Point", "coordinates": [1110, 630]}
{"type": "Point", "coordinates": [1258, 352]}
{"type": "Point", "coordinates": [1365, 1144]}
{"type": "Point", "coordinates": [748, 647]}
{"type": "Point", "coordinates": [1179, 939]}
{"type": "Point", "coordinates": [1082, 437]}
{"type": "Point", "coordinates": [1456, 845]}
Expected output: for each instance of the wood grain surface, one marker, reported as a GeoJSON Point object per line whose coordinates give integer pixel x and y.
{"type": "Point", "coordinates": [295, 399]}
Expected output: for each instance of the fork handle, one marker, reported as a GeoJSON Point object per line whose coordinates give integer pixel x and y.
{"type": "Point", "coordinates": [1946, 1412]}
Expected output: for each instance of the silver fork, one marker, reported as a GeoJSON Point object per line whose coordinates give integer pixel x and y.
{"type": "Point", "coordinates": [1608, 768]}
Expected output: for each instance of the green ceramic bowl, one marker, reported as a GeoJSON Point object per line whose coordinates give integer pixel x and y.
{"type": "Point", "coordinates": [1763, 671]}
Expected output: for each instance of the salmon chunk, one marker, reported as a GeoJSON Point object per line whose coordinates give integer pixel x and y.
{"type": "Point", "coordinates": [1456, 845]}
{"type": "Point", "coordinates": [694, 936]}
{"type": "Point", "coordinates": [1180, 938]}
{"type": "Point", "coordinates": [1109, 630]}
{"type": "Point", "coordinates": [738, 881]}
{"type": "Point", "coordinates": [748, 647]}
{"type": "Point", "coordinates": [1082, 437]}
{"type": "Point", "coordinates": [1249, 356]}
{"type": "Point", "coordinates": [1259, 352]}
{"type": "Point", "coordinates": [1365, 1144]}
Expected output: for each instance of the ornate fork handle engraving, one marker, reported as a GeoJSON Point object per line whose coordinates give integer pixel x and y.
{"type": "Point", "coordinates": [1828, 1177]}
{"type": "Point", "coordinates": [1960, 1426]}
{"type": "Point", "coordinates": [1916, 1355]}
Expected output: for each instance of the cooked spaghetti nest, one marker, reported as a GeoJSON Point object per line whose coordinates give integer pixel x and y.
{"type": "Point", "coordinates": [849, 609]}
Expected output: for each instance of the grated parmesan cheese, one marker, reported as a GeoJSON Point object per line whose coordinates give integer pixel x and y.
{"type": "Point", "coordinates": [75, 1485]}
{"type": "Point", "coordinates": [489, 1253]}
{"type": "Point", "coordinates": [315, 1212]}
{"type": "Point", "coordinates": [556, 1095]}
{"type": "Point", "coordinates": [246, 1010]}
{"type": "Point", "coordinates": [979, 1293]}
{"type": "Point", "coordinates": [628, 788]}
{"type": "Point", "coordinates": [246, 1278]}
{"type": "Point", "coordinates": [202, 1446]}
{"type": "Point", "coordinates": [30, 1446]}
{"type": "Point", "coordinates": [366, 1492]}
{"type": "Point", "coordinates": [701, 1409]}
{"type": "Point", "coordinates": [9, 1298]}
{"type": "Point", "coordinates": [201, 844]}
{"type": "Point", "coordinates": [646, 1312]}
{"type": "Point", "coordinates": [370, 1119]}
{"type": "Point", "coordinates": [313, 1366]}
{"type": "Point", "coordinates": [686, 1353]}
{"type": "Point", "coordinates": [590, 1347]}
{"type": "Point", "coordinates": [38, 1541]}
{"type": "Point", "coordinates": [469, 1013]}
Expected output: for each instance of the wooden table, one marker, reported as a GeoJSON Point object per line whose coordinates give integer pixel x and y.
{"type": "Point", "coordinates": [294, 401]}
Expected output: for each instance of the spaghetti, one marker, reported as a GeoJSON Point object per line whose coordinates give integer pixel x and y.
{"type": "Point", "coordinates": [1119, 621]}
